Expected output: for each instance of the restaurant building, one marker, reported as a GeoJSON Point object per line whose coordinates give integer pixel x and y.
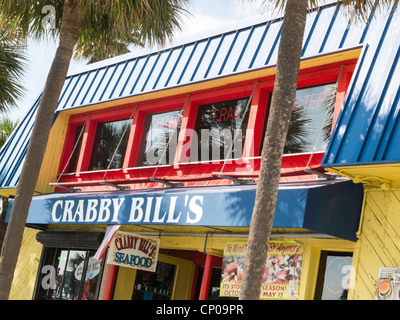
{"type": "Point", "coordinates": [157, 154]}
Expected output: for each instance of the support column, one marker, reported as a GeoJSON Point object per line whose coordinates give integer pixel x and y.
{"type": "Point", "coordinates": [205, 283]}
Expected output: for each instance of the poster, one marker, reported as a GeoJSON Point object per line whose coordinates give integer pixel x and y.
{"type": "Point", "coordinates": [281, 273]}
{"type": "Point", "coordinates": [134, 251]}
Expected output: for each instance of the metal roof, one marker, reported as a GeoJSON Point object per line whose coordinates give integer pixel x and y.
{"type": "Point", "coordinates": [244, 48]}
{"type": "Point", "coordinates": [367, 131]}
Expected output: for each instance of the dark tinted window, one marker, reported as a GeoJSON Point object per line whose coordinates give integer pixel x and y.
{"type": "Point", "coordinates": [108, 136]}
{"type": "Point", "coordinates": [217, 125]}
{"type": "Point", "coordinates": [307, 126]}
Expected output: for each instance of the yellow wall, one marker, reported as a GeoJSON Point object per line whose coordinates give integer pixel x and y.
{"type": "Point", "coordinates": [27, 267]}
{"type": "Point", "coordinates": [308, 278]}
{"type": "Point", "coordinates": [379, 240]}
{"type": "Point", "coordinates": [182, 286]}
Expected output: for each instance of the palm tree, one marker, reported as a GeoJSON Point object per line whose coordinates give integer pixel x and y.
{"type": "Point", "coordinates": [7, 126]}
{"type": "Point", "coordinates": [12, 63]}
{"type": "Point", "coordinates": [283, 99]}
{"type": "Point", "coordinates": [76, 22]}
{"type": "Point", "coordinates": [111, 45]}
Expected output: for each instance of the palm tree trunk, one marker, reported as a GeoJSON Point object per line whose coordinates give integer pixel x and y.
{"type": "Point", "coordinates": [271, 158]}
{"type": "Point", "coordinates": [69, 33]}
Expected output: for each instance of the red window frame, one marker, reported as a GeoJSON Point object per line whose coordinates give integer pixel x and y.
{"type": "Point", "coordinates": [340, 71]}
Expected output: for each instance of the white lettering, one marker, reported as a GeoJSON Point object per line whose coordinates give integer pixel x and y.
{"type": "Point", "coordinates": [156, 217]}
{"type": "Point", "coordinates": [69, 204]}
{"type": "Point", "coordinates": [172, 211]}
{"type": "Point", "coordinates": [196, 209]}
{"type": "Point", "coordinates": [54, 211]}
{"type": "Point", "coordinates": [91, 212]}
{"type": "Point", "coordinates": [117, 205]}
{"type": "Point", "coordinates": [104, 208]}
{"type": "Point", "coordinates": [137, 204]}
{"type": "Point", "coordinates": [79, 211]}
{"type": "Point", "coordinates": [148, 209]}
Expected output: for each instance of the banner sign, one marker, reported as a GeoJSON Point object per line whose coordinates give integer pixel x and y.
{"type": "Point", "coordinates": [298, 206]}
{"type": "Point", "coordinates": [281, 273]}
{"type": "Point", "coordinates": [134, 251]}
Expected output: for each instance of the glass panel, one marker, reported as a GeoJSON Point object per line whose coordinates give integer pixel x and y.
{"type": "Point", "coordinates": [69, 273]}
{"type": "Point", "coordinates": [108, 135]}
{"type": "Point", "coordinates": [155, 285]}
{"type": "Point", "coordinates": [75, 155]}
{"type": "Point", "coordinates": [334, 276]}
{"type": "Point", "coordinates": [91, 278]}
{"type": "Point", "coordinates": [159, 128]}
{"type": "Point", "coordinates": [62, 274]}
{"type": "Point", "coordinates": [307, 124]}
{"type": "Point", "coordinates": [217, 125]}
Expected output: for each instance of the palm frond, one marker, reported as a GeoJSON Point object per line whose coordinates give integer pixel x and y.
{"type": "Point", "coordinates": [12, 63]}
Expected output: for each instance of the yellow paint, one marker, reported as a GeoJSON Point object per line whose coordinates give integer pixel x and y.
{"type": "Point", "coordinates": [311, 255]}
{"type": "Point", "coordinates": [379, 240]}
{"type": "Point", "coordinates": [124, 284]}
{"type": "Point", "coordinates": [182, 288]}
{"type": "Point", "coordinates": [385, 176]}
{"type": "Point", "coordinates": [27, 267]}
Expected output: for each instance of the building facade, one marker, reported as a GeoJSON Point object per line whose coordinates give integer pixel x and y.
{"type": "Point", "coordinates": [164, 146]}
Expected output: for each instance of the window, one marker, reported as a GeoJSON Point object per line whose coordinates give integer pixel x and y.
{"type": "Point", "coordinates": [76, 275]}
{"type": "Point", "coordinates": [333, 276]}
{"type": "Point", "coordinates": [155, 285]}
{"type": "Point", "coordinates": [308, 126]}
{"type": "Point", "coordinates": [110, 138]}
{"type": "Point", "coordinates": [160, 138]}
{"type": "Point", "coordinates": [76, 147]}
{"type": "Point", "coordinates": [217, 126]}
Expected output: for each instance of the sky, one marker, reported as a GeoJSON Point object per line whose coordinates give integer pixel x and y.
{"type": "Point", "coordinates": [203, 16]}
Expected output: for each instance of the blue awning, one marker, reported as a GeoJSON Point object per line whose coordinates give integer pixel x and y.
{"type": "Point", "coordinates": [332, 208]}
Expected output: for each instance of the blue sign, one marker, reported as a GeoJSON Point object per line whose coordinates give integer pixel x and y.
{"type": "Point", "coordinates": [301, 206]}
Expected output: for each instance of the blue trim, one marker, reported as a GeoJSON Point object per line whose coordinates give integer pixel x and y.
{"type": "Point", "coordinates": [329, 208]}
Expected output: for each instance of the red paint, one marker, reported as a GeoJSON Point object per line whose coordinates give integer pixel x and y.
{"type": "Point", "coordinates": [197, 174]}
{"type": "Point", "coordinates": [110, 282]}
{"type": "Point", "coordinates": [205, 284]}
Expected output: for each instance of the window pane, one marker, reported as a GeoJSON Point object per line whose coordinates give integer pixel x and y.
{"type": "Point", "coordinates": [71, 272]}
{"type": "Point", "coordinates": [77, 145]}
{"type": "Point", "coordinates": [333, 276]}
{"type": "Point", "coordinates": [307, 124]}
{"type": "Point", "coordinates": [161, 132]}
{"type": "Point", "coordinates": [69, 275]}
{"type": "Point", "coordinates": [217, 126]}
{"type": "Point", "coordinates": [155, 285]}
{"type": "Point", "coordinates": [91, 278]}
{"type": "Point", "coordinates": [108, 135]}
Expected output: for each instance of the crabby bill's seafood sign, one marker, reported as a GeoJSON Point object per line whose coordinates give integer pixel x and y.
{"type": "Point", "coordinates": [281, 272]}
{"type": "Point", "coordinates": [134, 251]}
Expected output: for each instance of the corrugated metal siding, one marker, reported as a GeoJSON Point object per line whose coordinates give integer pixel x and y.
{"type": "Point", "coordinates": [368, 129]}
{"type": "Point", "coordinates": [239, 50]}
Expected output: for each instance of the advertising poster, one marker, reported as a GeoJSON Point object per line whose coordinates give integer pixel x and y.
{"type": "Point", "coordinates": [281, 273]}
{"type": "Point", "coordinates": [134, 251]}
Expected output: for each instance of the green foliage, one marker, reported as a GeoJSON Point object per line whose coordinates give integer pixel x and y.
{"type": "Point", "coordinates": [12, 63]}
{"type": "Point", "coordinates": [7, 126]}
{"type": "Point", "coordinates": [147, 21]}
